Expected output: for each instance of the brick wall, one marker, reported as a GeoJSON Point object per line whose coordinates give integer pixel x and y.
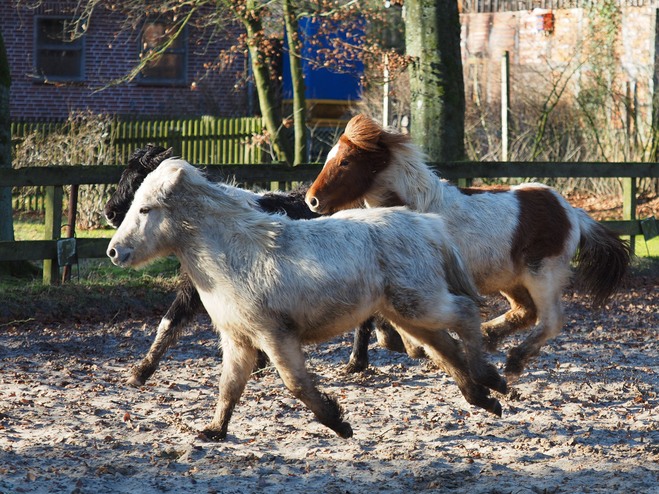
{"type": "Point", "coordinates": [536, 57]}
{"type": "Point", "coordinates": [110, 54]}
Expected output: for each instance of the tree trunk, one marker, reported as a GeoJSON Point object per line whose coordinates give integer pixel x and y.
{"type": "Point", "coordinates": [432, 37]}
{"type": "Point", "coordinates": [270, 111]}
{"type": "Point", "coordinates": [6, 221]}
{"type": "Point", "coordinates": [297, 79]}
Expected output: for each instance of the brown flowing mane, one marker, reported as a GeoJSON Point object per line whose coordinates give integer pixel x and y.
{"type": "Point", "coordinates": [365, 133]}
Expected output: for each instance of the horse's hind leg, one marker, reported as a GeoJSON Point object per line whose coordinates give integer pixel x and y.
{"type": "Point", "coordinates": [388, 338]}
{"type": "Point", "coordinates": [237, 364]}
{"type": "Point", "coordinates": [287, 357]}
{"type": "Point", "coordinates": [448, 353]}
{"type": "Point", "coordinates": [461, 314]}
{"type": "Point", "coordinates": [185, 307]}
{"type": "Point", "coordinates": [551, 317]}
{"type": "Point", "coordinates": [522, 314]}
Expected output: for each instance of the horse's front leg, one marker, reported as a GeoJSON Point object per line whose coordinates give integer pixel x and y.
{"type": "Point", "coordinates": [237, 363]}
{"type": "Point", "coordinates": [186, 306]}
{"type": "Point", "coordinates": [286, 355]}
{"type": "Point", "coordinates": [522, 314]}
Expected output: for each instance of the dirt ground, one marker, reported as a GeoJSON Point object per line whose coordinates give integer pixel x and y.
{"type": "Point", "coordinates": [583, 418]}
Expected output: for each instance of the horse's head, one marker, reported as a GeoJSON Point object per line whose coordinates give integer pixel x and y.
{"type": "Point", "coordinates": [363, 151]}
{"type": "Point", "coordinates": [140, 163]}
{"type": "Point", "coordinates": [146, 232]}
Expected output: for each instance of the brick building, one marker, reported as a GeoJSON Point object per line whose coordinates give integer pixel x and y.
{"type": "Point", "coordinates": [563, 39]}
{"type": "Point", "coordinates": [51, 76]}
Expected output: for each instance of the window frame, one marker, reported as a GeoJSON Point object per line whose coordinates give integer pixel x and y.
{"type": "Point", "coordinates": [183, 50]}
{"type": "Point", "coordinates": [78, 45]}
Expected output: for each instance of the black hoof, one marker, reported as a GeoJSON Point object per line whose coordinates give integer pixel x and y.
{"type": "Point", "coordinates": [344, 430]}
{"type": "Point", "coordinates": [492, 379]}
{"type": "Point", "coordinates": [491, 341]}
{"type": "Point", "coordinates": [355, 366]}
{"type": "Point", "coordinates": [495, 407]}
{"type": "Point", "coordinates": [212, 435]}
{"type": "Point", "coordinates": [515, 364]}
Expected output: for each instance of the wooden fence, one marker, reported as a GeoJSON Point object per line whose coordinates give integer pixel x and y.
{"type": "Point", "coordinates": [53, 178]}
{"type": "Point", "coordinates": [203, 140]}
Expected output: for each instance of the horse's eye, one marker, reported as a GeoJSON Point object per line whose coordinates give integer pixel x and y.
{"type": "Point", "coordinates": [145, 210]}
{"type": "Point", "coordinates": [344, 163]}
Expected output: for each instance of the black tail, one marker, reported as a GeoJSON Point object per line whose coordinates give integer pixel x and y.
{"type": "Point", "coordinates": [602, 261]}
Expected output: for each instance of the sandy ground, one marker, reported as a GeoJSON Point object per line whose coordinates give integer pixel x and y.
{"type": "Point", "coordinates": [583, 418]}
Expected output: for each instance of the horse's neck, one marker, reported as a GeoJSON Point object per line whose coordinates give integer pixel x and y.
{"type": "Point", "coordinates": [230, 238]}
{"type": "Point", "coordinates": [415, 184]}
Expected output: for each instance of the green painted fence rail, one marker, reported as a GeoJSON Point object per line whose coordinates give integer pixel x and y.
{"type": "Point", "coordinates": [54, 178]}
{"type": "Point", "coordinates": [203, 140]}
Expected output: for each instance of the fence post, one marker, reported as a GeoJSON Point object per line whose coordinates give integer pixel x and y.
{"type": "Point", "coordinates": [629, 204]}
{"type": "Point", "coordinates": [71, 226]}
{"type": "Point", "coordinates": [53, 231]}
{"type": "Point", "coordinates": [505, 103]}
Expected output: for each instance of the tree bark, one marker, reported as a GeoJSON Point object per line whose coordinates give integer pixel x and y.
{"type": "Point", "coordinates": [432, 37]}
{"type": "Point", "coordinates": [270, 111]}
{"type": "Point", "coordinates": [6, 221]}
{"type": "Point", "coordinates": [297, 79]}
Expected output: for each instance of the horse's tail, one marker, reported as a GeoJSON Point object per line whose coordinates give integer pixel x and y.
{"type": "Point", "coordinates": [602, 260]}
{"type": "Point", "coordinates": [458, 277]}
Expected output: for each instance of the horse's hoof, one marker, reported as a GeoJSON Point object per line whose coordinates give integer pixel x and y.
{"type": "Point", "coordinates": [355, 366]}
{"type": "Point", "coordinates": [492, 379]}
{"type": "Point", "coordinates": [135, 381]}
{"type": "Point", "coordinates": [495, 407]}
{"type": "Point", "coordinates": [212, 435]}
{"type": "Point", "coordinates": [512, 377]}
{"type": "Point", "coordinates": [514, 365]}
{"type": "Point", "coordinates": [491, 341]}
{"type": "Point", "coordinates": [344, 430]}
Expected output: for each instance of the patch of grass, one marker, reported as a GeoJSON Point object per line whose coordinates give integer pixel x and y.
{"type": "Point", "coordinates": [31, 226]}
{"type": "Point", "coordinates": [647, 249]}
{"type": "Point", "coordinates": [98, 291]}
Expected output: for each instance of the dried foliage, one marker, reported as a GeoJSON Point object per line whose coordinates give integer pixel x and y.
{"type": "Point", "coordinates": [85, 139]}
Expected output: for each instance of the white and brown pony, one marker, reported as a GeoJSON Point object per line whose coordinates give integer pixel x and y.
{"type": "Point", "coordinates": [274, 284]}
{"type": "Point", "coordinates": [516, 240]}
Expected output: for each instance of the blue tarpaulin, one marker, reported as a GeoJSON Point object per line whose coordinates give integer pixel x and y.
{"type": "Point", "coordinates": [325, 83]}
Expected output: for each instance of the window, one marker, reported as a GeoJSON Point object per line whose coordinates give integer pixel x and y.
{"type": "Point", "coordinates": [170, 67]}
{"type": "Point", "coordinates": [58, 57]}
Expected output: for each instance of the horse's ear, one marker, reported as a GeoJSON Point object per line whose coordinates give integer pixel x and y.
{"type": "Point", "coordinates": [171, 177]}
{"type": "Point", "coordinates": [176, 175]}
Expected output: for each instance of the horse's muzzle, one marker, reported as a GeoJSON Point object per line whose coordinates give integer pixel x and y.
{"type": "Point", "coordinates": [119, 255]}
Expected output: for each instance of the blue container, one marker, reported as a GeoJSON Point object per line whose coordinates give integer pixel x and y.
{"type": "Point", "coordinates": [325, 83]}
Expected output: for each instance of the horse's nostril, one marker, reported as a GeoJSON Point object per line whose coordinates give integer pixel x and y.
{"type": "Point", "coordinates": [112, 253]}
{"type": "Point", "coordinates": [110, 215]}
{"type": "Point", "coordinates": [313, 202]}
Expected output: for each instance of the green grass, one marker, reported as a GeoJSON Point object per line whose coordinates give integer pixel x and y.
{"type": "Point", "coordinates": [647, 249]}
{"type": "Point", "coordinates": [32, 227]}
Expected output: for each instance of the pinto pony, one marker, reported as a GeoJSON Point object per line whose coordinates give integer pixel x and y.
{"type": "Point", "coordinates": [187, 304]}
{"type": "Point", "coordinates": [274, 284]}
{"type": "Point", "coordinates": [515, 240]}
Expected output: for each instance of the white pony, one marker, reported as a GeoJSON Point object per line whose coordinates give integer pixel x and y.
{"type": "Point", "coordinates": [272, 283]}
{"type": "Point", "coordinates": [515, 240]}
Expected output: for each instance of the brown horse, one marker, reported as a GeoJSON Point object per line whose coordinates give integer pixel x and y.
{"type": "Point", "coordinates": [516, 240]}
